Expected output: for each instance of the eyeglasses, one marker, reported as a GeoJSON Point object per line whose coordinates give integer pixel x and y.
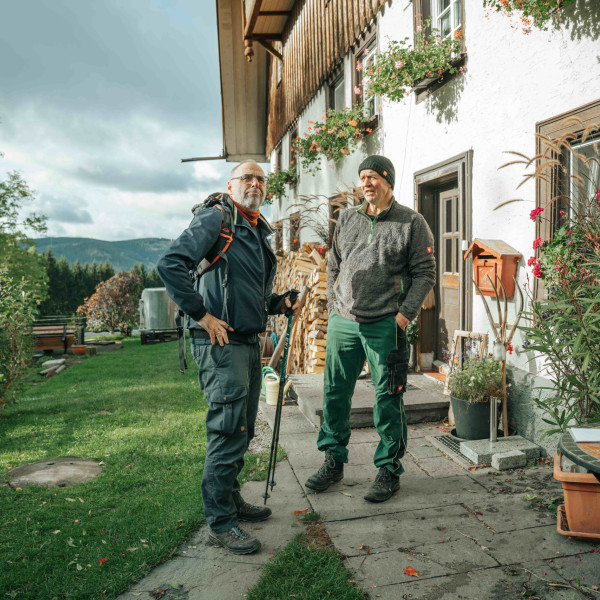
{"type": "Point", "coordinates": [261, 179]}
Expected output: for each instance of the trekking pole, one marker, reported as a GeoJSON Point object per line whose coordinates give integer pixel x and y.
{"type": "Point", "coordinates": [282, 379]}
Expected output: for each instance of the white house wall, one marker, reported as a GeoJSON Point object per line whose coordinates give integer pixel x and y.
{"type": "Point", "coordinates": [512, 81]}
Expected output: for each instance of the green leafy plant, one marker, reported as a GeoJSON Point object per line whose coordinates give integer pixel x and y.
{"type": "Point", "coordinates": [277, 181]}
{"type": "Point", "coordinates": [403, 64]}
{"type": "Point", "coordinates": [533, 12]}
{"type": "Point", "coordinates": [478, 380]}
{"type": "Point", "coordinates": [17, 305]}
{"type": "Point", "coordinates": [336, 136]}
{"type": "Point", "coordinates": [563, 328]}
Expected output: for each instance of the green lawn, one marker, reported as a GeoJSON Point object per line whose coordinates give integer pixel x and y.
{"type": "Point", "coordinates": [134, 411]}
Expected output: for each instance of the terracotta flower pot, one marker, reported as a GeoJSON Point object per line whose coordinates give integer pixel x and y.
{"type": "Point", "coordinates": [582, 499]}
{"type": "Point", "coordinates": [78, 349]}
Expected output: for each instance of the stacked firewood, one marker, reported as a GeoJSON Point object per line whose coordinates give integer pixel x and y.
{"type": "Point", "coordinates": [305, 268]}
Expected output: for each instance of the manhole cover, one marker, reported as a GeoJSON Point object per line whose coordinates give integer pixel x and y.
{"type": "Point", "coordinates": [55, 472]}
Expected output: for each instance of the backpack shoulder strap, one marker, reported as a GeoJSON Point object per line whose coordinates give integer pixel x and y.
{"type": "Point", "coordinates": [225, 205]}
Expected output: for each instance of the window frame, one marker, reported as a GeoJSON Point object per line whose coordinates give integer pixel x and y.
{"type": "Point", "coordinates": [294, 231]}
{"type": "Point", "coordinates": [421, 12]}
{"type": "Point", "coordinates": [553, 128]}
{"type": "Point", "coordinates": [337, 76]}
{"type": "Point", "coordinates": [369, 38]}
{"type": "Point", "coordinates": [293, 156]}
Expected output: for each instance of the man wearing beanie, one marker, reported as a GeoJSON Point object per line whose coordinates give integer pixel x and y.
{"type": "Point", "coordinates": [226, 308]}
{"type": "Point", "coordinates": [381, 267]}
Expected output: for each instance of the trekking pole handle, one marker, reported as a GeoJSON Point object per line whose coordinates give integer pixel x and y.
{"type": "Point", "coordinates": [293, 296]}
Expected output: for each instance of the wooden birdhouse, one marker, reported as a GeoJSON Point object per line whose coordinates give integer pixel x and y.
{"type": "Point", "coordinates": [496, 259]}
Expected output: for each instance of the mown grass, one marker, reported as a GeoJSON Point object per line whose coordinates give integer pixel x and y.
{"type": "Point", "coordinates": [136, 413]}
{"type": "Point", "coordinates": [308, 568]}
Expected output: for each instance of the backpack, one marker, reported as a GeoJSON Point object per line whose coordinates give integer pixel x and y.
{"type": "Point", "coordinates": [224, 203]}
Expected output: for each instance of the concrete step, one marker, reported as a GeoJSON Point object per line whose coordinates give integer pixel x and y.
{"type": "Point", "coordinates": [423, 400]}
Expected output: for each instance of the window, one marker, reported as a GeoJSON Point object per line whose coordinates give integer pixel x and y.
{"type": "Point", "coordinates": [365, 59]}
{"type": "Point", "coordinates": [293, 158]}
{"type": "Point", "coordinates": [337, 91]}
{"type": "Point", "coordinates": [446, 16]}
{"type": "Point", "coordinates": [570, 178]}
{"type": "Point", "coordinates": [295, 231]}
{"type": "Point", "coordinates": [278, 226]}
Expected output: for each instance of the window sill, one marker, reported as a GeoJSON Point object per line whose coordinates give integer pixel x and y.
{"type": "Point", "coordinates": [372, 124]}
{"type": "Point", "coordinates": [426, 87]}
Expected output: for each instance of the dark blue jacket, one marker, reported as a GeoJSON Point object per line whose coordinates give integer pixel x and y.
{"type": "Point", "coordinates": [252, 266]}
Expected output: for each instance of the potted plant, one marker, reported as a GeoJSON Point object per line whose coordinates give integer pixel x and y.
{"type": "Point", "coordinates": [406, 65]}
{"type": "Point", "coordinates": [470, 391]}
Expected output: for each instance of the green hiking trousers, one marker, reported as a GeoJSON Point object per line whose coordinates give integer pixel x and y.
{"type": "Point", "coordinates": [348, 344]}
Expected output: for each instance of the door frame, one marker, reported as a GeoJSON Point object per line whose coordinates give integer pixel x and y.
{"type": "Point", "coordinates": [459, 168]}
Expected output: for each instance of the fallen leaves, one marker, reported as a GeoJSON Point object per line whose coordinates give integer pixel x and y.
{"type": "Point", "coordinates": [411, 572]}
{"type": "Point", "coordinates": [302, 512]}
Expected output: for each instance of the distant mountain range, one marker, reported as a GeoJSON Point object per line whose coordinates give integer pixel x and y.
{"type": "Point", "coordinates": [122, 255]}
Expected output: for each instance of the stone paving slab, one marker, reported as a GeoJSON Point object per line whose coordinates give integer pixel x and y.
{"type": "Point", "coordinates": [415, 492]}
{"type": "Point", "coordinates": [292, 419]}
{"type": "Point", "coordinates": [498, 583]}
{"type": "Point", "coordinates": [508, 512]}
{"type": "Point", "coordinates": [482, 451]}
{"type": "Point", "coordinates": [536, 543]}
{"type": "Point", "coordinates": [206, 572]}
{"type": "Point", "coordinates": [585, 567]}
{"type": "Point", "coordinates": [366, 434]}
{"type": "Point", "coordinates": [538, 479]}
{"type": "Point", "coordinates": [407, 529]}
{"type": "Point", "coordinates": [387, 568]}
{"type": "Point", "coordinates": [423, 449]}
{"type": "Point", "coordinates": [441, 466]}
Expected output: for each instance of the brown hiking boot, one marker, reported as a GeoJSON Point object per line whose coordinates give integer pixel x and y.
{"type": "Point", "coordinates": [384, 486]}
{"type": "Point", "coordinates": [250, 512]}
{"type": "Point", "coordinates": [329, 473]}
{"type": "Point", "coordinates": [235, 540]}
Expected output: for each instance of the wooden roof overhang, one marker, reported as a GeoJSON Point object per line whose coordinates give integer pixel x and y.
{"type": "Point", "coordinates": [243, 69]}
{"type": "Point", "coordinates": [264, 22]}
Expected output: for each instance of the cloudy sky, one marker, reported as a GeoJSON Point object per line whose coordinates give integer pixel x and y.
{"type": "Point", "coordinates": [99, 101]}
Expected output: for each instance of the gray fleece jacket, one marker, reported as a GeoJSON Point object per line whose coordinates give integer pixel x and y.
{"type": "Point", "coordinates": [380, 265]}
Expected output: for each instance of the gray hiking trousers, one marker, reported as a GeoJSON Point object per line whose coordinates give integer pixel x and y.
{"type": "Point", "coordinates": [230, 377]}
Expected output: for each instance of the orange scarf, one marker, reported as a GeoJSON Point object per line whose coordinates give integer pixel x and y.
{"type": "Point", "coordinates": [250, 215]}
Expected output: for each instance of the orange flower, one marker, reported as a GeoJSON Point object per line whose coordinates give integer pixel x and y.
{"type": "Point", "coordinates": [344, 151]}
{"type": "Point", "coordinates": [311, 123]}
{"type": "Point", "coordinates": [369, 130]}
{"type": "Point", "coordinates": [458, 34]}
{"type": "Point", "coordinates": [353, 123]}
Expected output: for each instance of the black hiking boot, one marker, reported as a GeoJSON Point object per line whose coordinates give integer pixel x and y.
{"type": "Point", "coordinates": [249, 512]}
{"type": "Point", "coordinates": [331, 471]}
{"type": "Point", "coordinates": [384, 486]}
{"type": "Point", "coordinates": [235, 540]}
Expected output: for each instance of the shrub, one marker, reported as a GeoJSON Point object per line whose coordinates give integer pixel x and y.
{"type": "Point", "coordinates": [16, 342]}
{"type": "Point", "coordinates": [563, 328]}
{"type": "Point", "coordinates": [114, 305]}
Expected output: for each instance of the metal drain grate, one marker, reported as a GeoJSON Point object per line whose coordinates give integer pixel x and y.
{"type": "Point", "coordinates": [453, 445]}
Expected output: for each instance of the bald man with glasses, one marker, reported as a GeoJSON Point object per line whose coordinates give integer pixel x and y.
{"type": "Point", "coordinates": [226, 309]}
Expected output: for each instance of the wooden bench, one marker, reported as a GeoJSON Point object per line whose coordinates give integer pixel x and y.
{"type": "Point", "coordinates": [58, 333]}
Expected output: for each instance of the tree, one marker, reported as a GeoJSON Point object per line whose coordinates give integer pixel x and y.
{"type": "Point", "coordinates": [114, 305]}
{"type": "Point", "coordinates": [17, 304]}
{"type": "Point", "coordinates": [17, 250]}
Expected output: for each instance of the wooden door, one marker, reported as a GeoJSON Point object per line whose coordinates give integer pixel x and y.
{"type": "Point", "coordinates": [448, 244]}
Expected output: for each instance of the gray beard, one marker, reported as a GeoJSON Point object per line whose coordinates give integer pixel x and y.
{"type": "Point", "coordinates": [251, 202]}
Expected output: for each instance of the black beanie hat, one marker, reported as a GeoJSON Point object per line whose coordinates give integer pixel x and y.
{"type": "Point", "coordinates": [381, 165]}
